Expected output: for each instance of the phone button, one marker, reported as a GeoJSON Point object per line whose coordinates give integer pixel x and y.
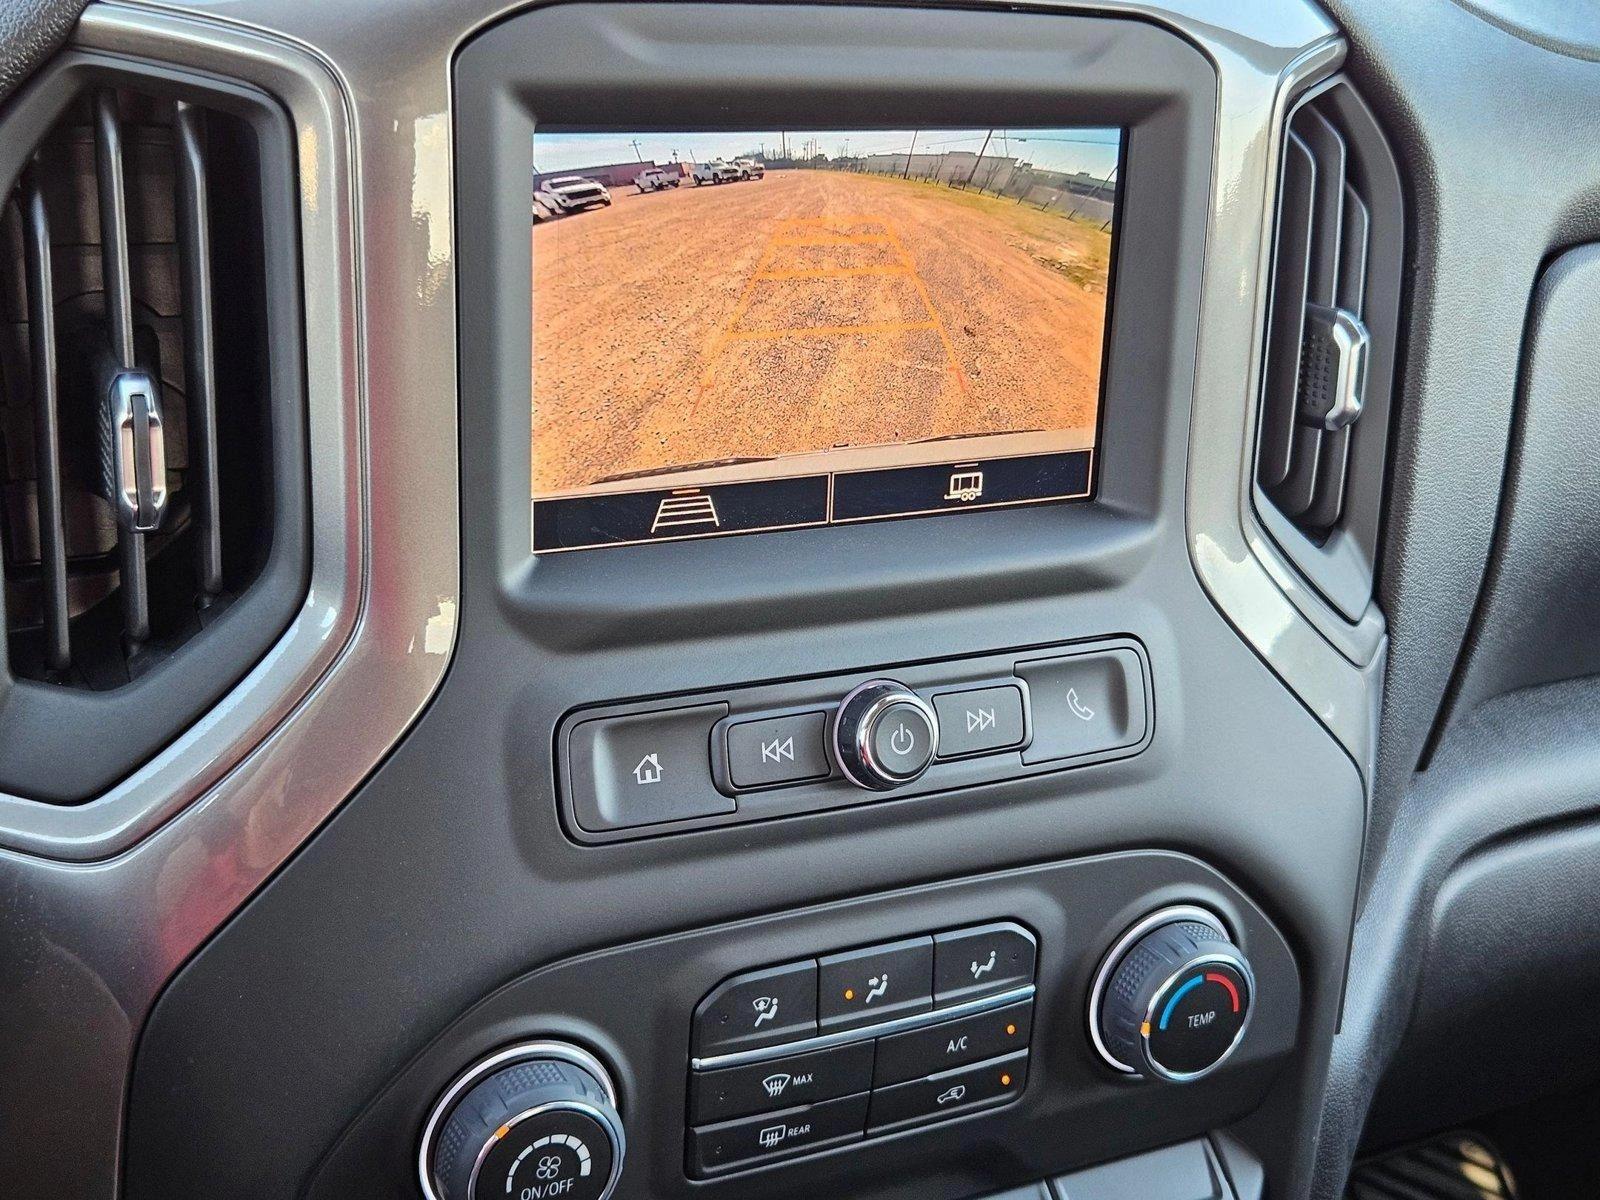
{"type": "Point", "coordinates": [1085, 704]}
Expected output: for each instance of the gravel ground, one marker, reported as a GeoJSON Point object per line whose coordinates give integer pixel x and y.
{"type": "Point", "coordinates": [699, 324]}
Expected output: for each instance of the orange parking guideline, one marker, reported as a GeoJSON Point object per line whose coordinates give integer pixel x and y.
{"type": "Point", "coordinates": [790, 231]}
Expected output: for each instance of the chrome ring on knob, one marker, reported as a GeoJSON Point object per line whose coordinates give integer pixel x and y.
{"type": "Point", "coordinates": [1114, 956]}
{"type": "Point", "coordinates": [481, 1070]}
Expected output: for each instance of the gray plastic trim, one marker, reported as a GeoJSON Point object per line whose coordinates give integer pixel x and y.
{"type": "Point", "coordinates": [328, 645]}
{"type": "Point", "coordinates": [157, 865]}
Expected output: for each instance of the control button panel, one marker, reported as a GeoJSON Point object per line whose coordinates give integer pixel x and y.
{"type": "Point", "coordinates": [638, 769]}
{"type": "Point", "coordinates": [871, 1049]}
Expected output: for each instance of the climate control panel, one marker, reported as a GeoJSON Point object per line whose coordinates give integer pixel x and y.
{"type": "Point", "coordinates": [807, 1055]}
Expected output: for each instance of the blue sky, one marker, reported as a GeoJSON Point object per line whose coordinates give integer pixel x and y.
{"type": "Point", "coordinates": [1091, 150]}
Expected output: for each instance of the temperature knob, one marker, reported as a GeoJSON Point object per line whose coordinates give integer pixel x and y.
{"type": "Point", "coordinates": [884, 735]}
{"type": "Point", "coordinates": [534, 1122]}
{"type": "Point", "coordinates": [1172, 998]}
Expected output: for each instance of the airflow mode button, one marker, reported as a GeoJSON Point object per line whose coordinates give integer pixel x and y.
{"type": "Point", "coordinates": [969, 963]}
{"type": "Point", "coordinates": [759, 1008]}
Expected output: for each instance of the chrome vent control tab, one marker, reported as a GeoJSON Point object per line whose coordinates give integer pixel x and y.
{"type": "Point", "coordinates": [133, 457]}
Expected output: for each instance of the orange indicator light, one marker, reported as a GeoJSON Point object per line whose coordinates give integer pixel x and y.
{"type": "Point", "coordinates": [849, 993]}
{"type": "Point", "coordinates": [1011, 1030]}
{"type": "Point", "coordinates": [501, 1132]}
{"type": "Point", "coordinates": [1144, 1030]}
{"type": "Point", "coordinates": [1005, 1081]}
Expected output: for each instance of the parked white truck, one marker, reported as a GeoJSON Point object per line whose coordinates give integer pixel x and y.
{"type": "Point", "coordinates": [715, 171]}
{"type": "Point", "coordinates": [654, 179]}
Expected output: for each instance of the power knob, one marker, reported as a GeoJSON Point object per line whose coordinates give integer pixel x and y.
{"type": "Point", "coordinates": [537, 1121]}
{"type": "Point", "coordinates": [884, 735]}
{"type": "Point", "coordinates": [1172, 998]}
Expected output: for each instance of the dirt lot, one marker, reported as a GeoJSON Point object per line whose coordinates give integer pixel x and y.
{"type": "Point", "coordinates": [806, 310]}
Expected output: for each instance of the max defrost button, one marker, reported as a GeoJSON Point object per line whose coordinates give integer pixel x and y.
{"type": "Point", "coordinates": [778, 750]}
{"type": "Point", "coordinates": [760, 1008]}
{"type": "Point", "coordinates": [780, 1082]}
{"type": "Point", "coordinates": [645, 768]}
{"type": "Point", "coordinates": [1085, 704]}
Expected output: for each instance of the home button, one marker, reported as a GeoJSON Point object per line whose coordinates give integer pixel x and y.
{"type": "Point", "coordinates": [645, 768]}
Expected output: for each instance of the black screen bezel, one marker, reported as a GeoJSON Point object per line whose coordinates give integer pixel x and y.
{"type": "Point", "coordinates": [607, 65]}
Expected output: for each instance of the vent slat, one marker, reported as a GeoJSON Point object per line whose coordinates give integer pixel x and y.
{"type": "Point", "coordinates": [47, 425]}
{"type": "Point", "coordinates": [1327, 222]}
{"type": "Point", "coordinates": [135, 587]}
{"type": "Point", "coordinates": [1353, 253]}
{"type": "Point", "coordinates": [1287, 321]}
{"type": "Point", "coordinates": [194, 238]}
{"type": "Point", "coordinates": [114, 228]}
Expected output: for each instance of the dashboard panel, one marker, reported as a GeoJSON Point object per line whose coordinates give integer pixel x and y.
{"type": "Point", "coordinates": [911, 600]}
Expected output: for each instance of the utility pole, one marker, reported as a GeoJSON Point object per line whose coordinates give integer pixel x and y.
{"type": "Point", "coordinates": [913, 151]}
{"type": "Point", "coordinates": [636, 152]}
{"type": "Point", "coordinates": [974, 174]}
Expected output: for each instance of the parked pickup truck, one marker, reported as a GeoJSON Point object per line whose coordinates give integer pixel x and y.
{"type": "Point", "coordinates": [715, 171]}
{"type": "Point", "coordinates": [654, 179]}
{"type": "Point", "coordinates": [750, 168]}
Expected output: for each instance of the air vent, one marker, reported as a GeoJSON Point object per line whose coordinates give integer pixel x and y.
{"type": "Point", "coordinates": [1330, 344]}
{"type": "Point", "coordinates": [151, 480]}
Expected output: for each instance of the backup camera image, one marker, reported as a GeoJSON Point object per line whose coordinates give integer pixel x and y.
{"type": "Point", "coordinates": [745, 331]}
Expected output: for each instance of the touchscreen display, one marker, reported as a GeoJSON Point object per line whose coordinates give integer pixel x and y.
{"type": "Point", "coordinates": [746, 332]}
